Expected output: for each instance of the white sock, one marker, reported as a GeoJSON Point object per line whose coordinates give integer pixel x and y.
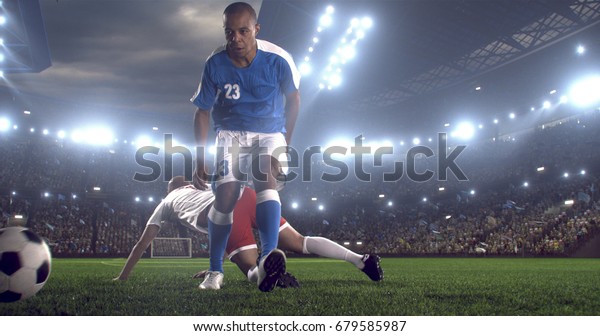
{"type": "Point", "coordinates": [253, 274]}
{"type": "Point", "coordinates": [327, 248]}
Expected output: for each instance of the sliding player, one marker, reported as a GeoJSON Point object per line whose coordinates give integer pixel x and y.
{"type": "Point", "coordinates": [189, 206]}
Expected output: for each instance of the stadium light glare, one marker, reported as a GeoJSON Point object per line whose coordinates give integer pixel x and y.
{"type": "Point", "coordinates": [381, 195]}
{"type": "Point", "coordinates": [1, 57]}
{"type": "Point", "coordinates": [580, 49]}
{"type": "Point", "coordinates": [586, 92]}
{"type": "Point", "coordinates": [32, 130]}
{"type": "Point", "coordinates": [330, 9]}
{"type": "Point", "coordinates": [582, 172]}
{"type": "Point", "coordinates": [390, 203]}
{"type": "Point", "coordinates": [294, 205]}
{"type": "Point", "coordinates": [305, 69]}
{"type": "Point", "coordinates": [325, 20]}
{"type": "Point", "coordinates": [4, 124]}
{"type": "Point", "coordinates": [137, 199]}
{"type": "Point", "coordinates": [569, 202]}
{"type": "Point", "coordinates": [143, 141]}
{"type": "Point", "coordinates": [61, 134]}
{"type": "Point", "coordinates": [566, 175]}
{"type": "Point", "coordinates": [441, 188]}
{"type": "Point", "coordinates": [366, 22]}
{"type": "Point", "coordinates": [46, 194]}
{"type": "Point", "coordinates": [321, 207]}
{"type": "Point", "coordinates": [541, 169]}
{"type": "Point", "coordinates": [525, 184]}
{"type": "Point", "coordinates": [472, 192]}
{"type": "Point", "coordinates": [512, 115]}
{"type": "Point", "coordinates": [27, 112]}
{"type": "Point", "coordinates": [416, 141]}
{"type": "Point", "coordinates": [1, 74]}
{"type": "Point", "coordinates": [354, 22]}
{"type": "Point", "coordinates": [2, 20]}
{"type": "Point", "coordinates": [547, 104]}
{"type": "Point", "coordinates": [564, 99]}
{"type": "Point", "coordinates": [496, 121]}
{"type": "Point", "coordinates": [553, 92]}
{"type": "Point", "coordinates": [1, 41]}
{"type": "Point", "coordinates": [150, 199]}
{"type": "Point", "coordinates": [45, 132]}
{"type": "Point", "coordinates": [212, 150]}
{"type": "Point", "coordinates": [74, 196]}
{"type": "Point", "coordinates": [97, 189]}
{"type": "Point", "coordinates": [15, 127]}
{"type": "Point", "coordinates": [449, 216]}
{"type": "Point", "coordinates": [464, 131]}
{"type": "Point", "coordinates": [424, 199]}
{"type": "Point", "coordinates": [313, 199]}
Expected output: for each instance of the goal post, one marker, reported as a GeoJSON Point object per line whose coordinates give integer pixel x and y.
{"type": "Point", "coordinates": [171, 248]}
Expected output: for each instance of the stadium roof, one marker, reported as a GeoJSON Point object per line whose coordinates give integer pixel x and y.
{"type": "Point", "coordinates": [421, 47]}
{"type": "Point", "coordinates": [24, 37]}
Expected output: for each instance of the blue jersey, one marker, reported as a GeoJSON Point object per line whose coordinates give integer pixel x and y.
{"type": "Point", "coordinates": [250, 98]}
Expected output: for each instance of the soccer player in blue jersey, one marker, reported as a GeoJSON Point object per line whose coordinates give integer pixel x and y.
{"type": "Point", "coordinates": [250, 87]}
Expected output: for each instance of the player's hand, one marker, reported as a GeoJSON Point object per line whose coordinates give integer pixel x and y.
{"type": "Point", "coordinates": [200, 177]}
{"type": "Point", "coordinates": [200, 275]}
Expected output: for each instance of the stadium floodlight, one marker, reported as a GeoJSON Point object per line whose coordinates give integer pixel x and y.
{"type": "Point", "coordinates": [15, 127]}
{"type": "Point", "coordinates": [566, 175]}
{"type": "Point", "coordinates": [313, 199]}
{"type": "Point", "coordinates": [321, 207]}
{"type": "Point", "coordinates": [547, 104]}
{"type": "Point", "coordinates": [582, 172]}
{"type": "Point", "coordinates": [416, 141]}
{"type": "Point", "coordinates": [348, 52]}
{"type": "Point", "coordinates": [354, 22]}
{"type": "Point", "coordinates": [564, 99]}
{"type": "Point", "coordinates": [74, 196]}
{"type": "Point", "coordinates": [61, 134]}
{"type": "Point", "coordinates": [97, 189]}
{"type": "Point", "coordinates": [472, 192]}
{"type": "Point", "coordinates": [1, 57]}
{"type": "Point", "coordinates": [27, 112]}
{"type": "Point", "coordinates": [155, 128]}
{"type": "Point", "coordinates": [553, 92]}
{"type": "Point", "coordinates": [4, 124]}
{"type": "Point", "coordinates": [496, 121]}
{"type": "Point", "coordinates": [330, 9]}
{"type": "Point", "coordinates": [212, 150]}
{"type": "Point", "coordinates": [311, 49]}
{"type": "Point", "coordinates": [45, 132]}
{"type": "Point", "coordinates": [480, 126]}
{"type": "Point", "coordinates": [295, 205]}
{"type": "Point", "coordinates": [137, 199]}
{"type": "Point", "coordinates": [512, 115]}
{"type": "Point", "coordinates": [315, 40]}
{"type": "Point", "coordinates": [46, 194]}
{"type": "Point", "coordinates": [366, 22]}
{"type": "Point", "coordinates": [360, 34]}
{"type": "Point", "coordinates": [1, 74]}
{"type": "Point", "coordinates": [424, 199]}
{"type": "Point", "coordinates": [150, 199]}
{"type": "Point", "coordinates": [325, 20]}
{"type": "Point", "coordinates": [540, 169]}
{"type": "Point", "coordinates": [381, 195]}
{"type": "Point", "coordinates": [580, 50]}
{"type": "Point", "coordinates": [585, 93]}
{"type": "Point", "coordinates": [390, 203]}
{"type": "Point", "coordinates": [569, 202]}
{"type": "Point", "coordinates": [32, 130]}
{"type": "Point", "coordinates": [401, 143]}
{"type": "Point", "coordinates": [525, 184]}
{"type": "Point", "coordinates": [305, 69]}
{"type": "Point", "coordinates": [2, 20]}
{"type": "Point", "coordinates": [1, 41]}
{"type": "Point", "coordinates": [143, 141]}
{"type": "Point", "coordinates": [441, 188]}
{"type": "Point", "coordinates": [464, 130]}
{"type": "Point", "coordinates": [448, 216]}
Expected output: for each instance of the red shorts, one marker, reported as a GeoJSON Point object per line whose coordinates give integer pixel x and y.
{"type": "Point", "coordinates": [244, 221]}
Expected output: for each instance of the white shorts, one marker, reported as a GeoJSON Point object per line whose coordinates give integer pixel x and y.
{"type": "Point", "coordinates": [236, 151]}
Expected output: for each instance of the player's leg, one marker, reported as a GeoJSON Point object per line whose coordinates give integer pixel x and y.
{"type": "Point", "coordinates": [220, 216]}
{"type": "Point", "coordinates": [265, 169]}
{"type": "Point", "coordinates": [290, 239]}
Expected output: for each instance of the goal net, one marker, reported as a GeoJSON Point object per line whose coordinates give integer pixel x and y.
{"type": "Point", "coordinates": [171, 248]}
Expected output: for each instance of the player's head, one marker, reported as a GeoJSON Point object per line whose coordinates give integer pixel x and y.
{"type": "Point", "coordinates": [241, 27]}
{"type": "Point", "coordinates": [176, 182]}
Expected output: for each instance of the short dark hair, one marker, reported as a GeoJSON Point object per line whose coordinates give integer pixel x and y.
{"type": "Point", "coordinates": [240, 7]}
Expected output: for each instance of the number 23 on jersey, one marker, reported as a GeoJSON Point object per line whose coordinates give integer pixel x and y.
{"type": "Point", "coordinates": [232, 91]}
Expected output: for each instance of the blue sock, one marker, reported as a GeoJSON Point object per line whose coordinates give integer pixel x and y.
{"type": "Point", "coordinates": [218, 235]}
{"type": "Point", "coordinates": [268, 215]}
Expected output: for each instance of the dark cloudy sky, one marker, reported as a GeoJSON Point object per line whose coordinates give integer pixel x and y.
{"type": "Point", "coordinates": [115, 57]}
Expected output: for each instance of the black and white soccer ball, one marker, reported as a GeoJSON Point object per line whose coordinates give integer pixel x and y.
{"type": "Point", "coordinates": [25, 263]}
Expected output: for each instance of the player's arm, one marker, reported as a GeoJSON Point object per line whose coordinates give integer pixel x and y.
{"type": "Point", "coordinates": [136, 253]}
{"type": "Point", "coordinates": [201, 128]}
{"type": "Point", "coordinates": [292, 107]}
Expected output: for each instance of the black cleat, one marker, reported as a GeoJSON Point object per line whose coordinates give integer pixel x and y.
{"type": "Point", "coordinates": [286, 280]}
{"type": "Point", "coordinates": [270, 269]}
{"type": "Point", "coordinates": [372, 268]}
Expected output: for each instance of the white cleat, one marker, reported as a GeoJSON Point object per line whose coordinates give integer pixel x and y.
{"type": "Point", "coordinates": [270, 268]}
{"type": "Point", "coordinates": [213, 280]}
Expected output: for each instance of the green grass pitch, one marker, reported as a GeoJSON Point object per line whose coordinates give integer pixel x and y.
{"type": "Point", "coordinates": [412, 287]}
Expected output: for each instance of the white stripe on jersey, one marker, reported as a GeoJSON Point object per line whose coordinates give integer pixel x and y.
{"type": "Point", "coordinates": [183, 205]}
{"type": "Point", "coordinates": [267, 46]}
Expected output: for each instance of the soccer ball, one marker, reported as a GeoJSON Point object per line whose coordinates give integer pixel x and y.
{"type": "Point", "coordinates": [25, 263]}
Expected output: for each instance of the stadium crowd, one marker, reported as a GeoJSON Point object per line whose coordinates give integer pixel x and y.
{"type": "Point", "coordinates": [84, 200]}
